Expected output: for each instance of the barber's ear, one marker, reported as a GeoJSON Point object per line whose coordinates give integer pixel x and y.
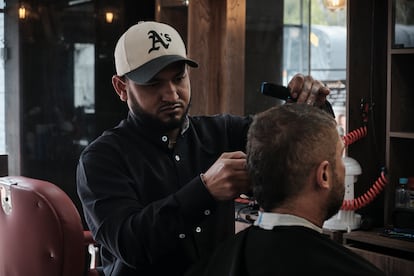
{"type": "Point", "coordinates": [120, 87]}
{"type": "Point", "coordinates": [322, 174]}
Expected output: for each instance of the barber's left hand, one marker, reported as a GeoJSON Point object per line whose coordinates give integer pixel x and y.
{"type": "Point", "coordinates": [307, 90]}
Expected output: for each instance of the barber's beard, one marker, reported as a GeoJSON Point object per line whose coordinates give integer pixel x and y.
{"type": "Point", "coordinates": [336, 198]}
{"type": "Point", "coordinates": [154, 122]}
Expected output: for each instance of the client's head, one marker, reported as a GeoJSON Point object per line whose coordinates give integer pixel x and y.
{"type": "Point", "coordinates": [293, 151]}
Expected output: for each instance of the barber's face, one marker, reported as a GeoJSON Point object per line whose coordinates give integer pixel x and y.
{"type": "Point", "coordinates": [165, 100]}
{"type": "Point", "coordinates": [338, 182]}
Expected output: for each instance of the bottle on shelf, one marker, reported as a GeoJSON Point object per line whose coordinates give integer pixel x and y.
{"type": "Point", "coordinates": [402, 196]}
{"type": "Point", "coordinates": [410, 187]}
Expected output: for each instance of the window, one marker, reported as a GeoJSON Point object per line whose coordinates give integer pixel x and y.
{"type": "Point", "coordinates": [84, 76]}
{"type": "Point", "coordinates": [314, 39]}
{"type": "Point", "coordinates": [294, 36]}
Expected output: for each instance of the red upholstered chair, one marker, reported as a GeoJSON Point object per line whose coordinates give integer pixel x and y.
{"type": "Point", "coordinates": [41, 232]}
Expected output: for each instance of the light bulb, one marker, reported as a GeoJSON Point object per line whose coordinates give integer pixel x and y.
{"type": "Point", "coordinates": [109, 17]}
{"type": "Point", "coordinates": [334, 5]}
{"type": "Point", "coordinates": [22, 12]}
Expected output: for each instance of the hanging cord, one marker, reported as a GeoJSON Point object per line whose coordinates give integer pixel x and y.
{"type": "Point", "coordinates": [362, 131]}
{"type": "Point", "coordinates": [379, 184]}
{"type": "Point", "coordinates": [368, 196]}
{"type": "Point", "coordinates": [355, 135]}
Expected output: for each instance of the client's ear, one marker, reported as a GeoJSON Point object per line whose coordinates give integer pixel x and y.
{"type": "Point", "coordinates": [322, 174]}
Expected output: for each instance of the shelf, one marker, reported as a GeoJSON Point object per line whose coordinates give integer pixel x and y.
{"type": "Point", "coordinates": [400, 113]}
{"type": "Point", "coordinates": [373, 238]}
{"type": "Point", "coordinates": [393, 256]}
{"type": "Point", "coordinates": [406, 135]}
{"type": "Point", "coordinates": [402, 51]}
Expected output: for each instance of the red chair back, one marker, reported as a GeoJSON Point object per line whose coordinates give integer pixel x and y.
{"type": "Point", "coordinates": [41, 232]}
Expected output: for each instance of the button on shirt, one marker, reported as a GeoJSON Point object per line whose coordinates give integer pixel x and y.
{"type": "Point", "coordinates": [144, 200]}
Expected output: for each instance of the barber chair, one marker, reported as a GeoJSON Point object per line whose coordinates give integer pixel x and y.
{"type": "Point", "coordinates": [41, 232]}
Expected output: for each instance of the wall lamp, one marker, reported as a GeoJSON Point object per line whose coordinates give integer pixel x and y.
{"type": "Point", "coordinates": [23, 12]}
{"type": "Point", "coordinates": [334, 5]}
{"type": "Point", "coordinates": [109, 17]}
{"type": "Point", "coordinates": [26, 12]}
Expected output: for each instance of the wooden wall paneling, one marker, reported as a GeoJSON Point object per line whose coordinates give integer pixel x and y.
{"type": "Point", "coordinates": [233, 58]}
{"type": "Point", "coordinates": [173, 12]}
{"type": "Point", "coordinates": [204, 46]}
{"type": "Point", "coordinates": [216, 35]}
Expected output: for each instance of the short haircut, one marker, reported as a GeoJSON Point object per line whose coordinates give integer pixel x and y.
{"type": "Point", "coordinates": [285, 144]}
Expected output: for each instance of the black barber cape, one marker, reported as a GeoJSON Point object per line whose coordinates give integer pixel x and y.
{"type": "Point", "coordinates": [285, 250]}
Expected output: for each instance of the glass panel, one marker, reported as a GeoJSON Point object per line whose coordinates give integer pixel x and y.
{"type": "Point", "coordinates": [318, 50]}
{"type": "Point", "coordinates": [295, 39]}
{"type": "Point", "coordinates": [403, 24]}
{"type": "Point", "coordinates": [284, 38]}
{"type": "Point", "coordinates": [84, 77]}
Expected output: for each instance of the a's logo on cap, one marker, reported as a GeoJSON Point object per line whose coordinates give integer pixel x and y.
{"type": "Point", "coordinates": [158, 40]}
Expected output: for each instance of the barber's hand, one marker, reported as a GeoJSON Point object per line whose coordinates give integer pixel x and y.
{"type": "Point", "coordinates": [307, 90]}
{"type": "Point", "coordinates": [227, 178]}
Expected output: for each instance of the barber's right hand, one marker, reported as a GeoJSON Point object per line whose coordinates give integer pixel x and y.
{"type": "Point", "coordinates": [305, 89]}
{"type": "Point", "coordinates": [227, 178]}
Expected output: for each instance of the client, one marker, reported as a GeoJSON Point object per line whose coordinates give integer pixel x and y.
{"type": "Point", "coordinates": [294, 160]}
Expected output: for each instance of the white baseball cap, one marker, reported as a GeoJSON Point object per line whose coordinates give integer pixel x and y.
{"type": "Point", "coordinates": [146, 48]}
